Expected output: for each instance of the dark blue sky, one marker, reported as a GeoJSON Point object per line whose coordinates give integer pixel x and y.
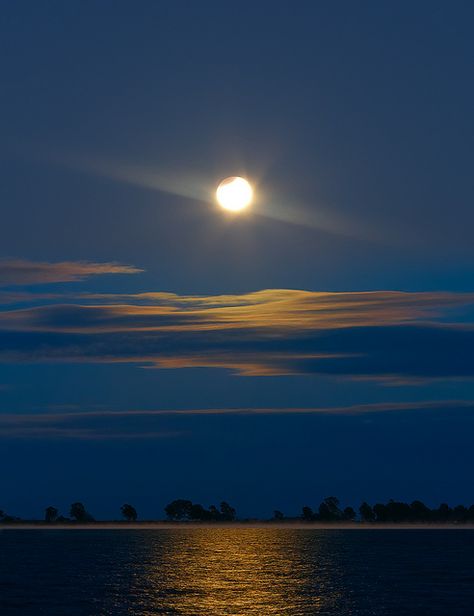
{"type": "Point", "coordinates": [125, 291]}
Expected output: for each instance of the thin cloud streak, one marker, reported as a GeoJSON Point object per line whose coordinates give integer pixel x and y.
{"type": "Point", "coordinates": [354, 409]}
{"type": "Point", "coordinates": [16, 272]}
{"type": "Point", "coordinates": [109, 425]}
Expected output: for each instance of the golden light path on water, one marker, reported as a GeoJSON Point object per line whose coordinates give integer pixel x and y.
{"type": "Point", "coordinates": [235, 571]}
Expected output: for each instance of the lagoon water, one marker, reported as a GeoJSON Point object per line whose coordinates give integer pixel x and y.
{"type": "Point", "coordinates": [238, 571]}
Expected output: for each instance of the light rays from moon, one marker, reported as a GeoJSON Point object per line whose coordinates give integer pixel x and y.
{"type": "Point", "coordinates": [201, 186]}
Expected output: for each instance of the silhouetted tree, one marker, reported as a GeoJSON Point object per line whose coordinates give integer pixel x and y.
{"type": "Point", "coordinates": [7, 519]}
{"type": "Point", "coordinates": [419, 511]}
{"type": "Point", "coordinates": [324, 514]}
{"type": "Point", "coordinates": [348, 514]}
{"type": "Point", "coordinates": [398, 512]}
{"type": "Point", "coordinates": [50, 514]}
{"type": "Point", "coordinates": [179, 509]}
{"type": "Point", "coordinates": [186, 510]}
{"type": "Point", "coordinates": [228, 513]}
{"type": "Point", "coordinates": [380, 512]}
{"type": "Point", "coordinates": [61, 518]}
{"type": "Point", "coordinates": [197, 512]}
{"type": "Point", "coordinates": [214, 513]}
{"type": "Point", "coordinates": [460, 513]}
{"type": "Point", "coordinates": [307, 514]}
{"type": "Point", "coordinates": [129, 512]}
{"type": "Point", "coordinates": [443, 513]}
{"type": "Point", "coordinates": [4, 517]}
{"type": "Point", "coordinates": [366, 512]}
{"type": "Point", "coordinates": [329, 509]}
{"type": "Point", "coordinates": [278, 515]}
{"type": "Point", "coordinates": [79, 513]}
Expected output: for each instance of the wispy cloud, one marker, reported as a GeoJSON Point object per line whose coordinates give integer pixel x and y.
{"type": "Point", "coordinates": [278, 310]}
{"type": "Point", "coordinates": [24, 272]}
{"type": "Point", "coordinates": [145, 424]}
{"type": "Point", "coordinates": [382, 335]}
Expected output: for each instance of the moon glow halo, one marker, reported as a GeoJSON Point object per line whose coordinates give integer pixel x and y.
{"type": "Point", "coordinates": [234, 194]}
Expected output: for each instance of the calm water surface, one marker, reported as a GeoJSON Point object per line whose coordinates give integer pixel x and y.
{"type": "Point", "coordinates": [260, 572]}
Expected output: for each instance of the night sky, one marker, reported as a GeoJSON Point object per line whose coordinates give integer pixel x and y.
{"type": "Point", "coordinates": [153, 346]}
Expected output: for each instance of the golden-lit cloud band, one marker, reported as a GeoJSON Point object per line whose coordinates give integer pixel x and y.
{"type": "Point", "coordinates": [381, 335]}
{"type": "Point", "coordinates": [266, 311]}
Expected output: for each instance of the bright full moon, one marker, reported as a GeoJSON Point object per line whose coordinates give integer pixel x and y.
{"type": "Point", "coordinates": [234, 194]}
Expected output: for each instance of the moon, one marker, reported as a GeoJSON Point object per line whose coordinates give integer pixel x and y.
{"type": "Point", "coordinates": [234, 194]}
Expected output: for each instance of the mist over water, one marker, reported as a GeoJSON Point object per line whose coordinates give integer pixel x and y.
{"type": "Point", "coordinates": [208, 571]}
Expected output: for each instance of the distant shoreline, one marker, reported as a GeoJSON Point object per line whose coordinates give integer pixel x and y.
{"type": "Point", "coordinates": [234, 525]}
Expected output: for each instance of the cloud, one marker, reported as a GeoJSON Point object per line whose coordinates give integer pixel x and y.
{"type": "Point", "coordinates": [277, 310]}
{"type": "Point", "coordinates": [24, 272]}
{"type": "Point", "coordinates": [145, 424]}
{"type": "Point", "coordinates": [381, 335]}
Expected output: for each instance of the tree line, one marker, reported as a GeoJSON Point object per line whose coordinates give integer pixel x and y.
{"type": "Point", "coordinates": [329, 510]}
{"type": "Point", "coordinates": [77, 513]}
{"type": "Point", "coordinates": [390, 512]}
{"type": "Point", "coordinates": [179, 509]}
{"type": "Point", "coordinates": [187, 510]}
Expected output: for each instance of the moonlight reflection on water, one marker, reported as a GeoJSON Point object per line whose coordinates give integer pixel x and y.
{"type": "Point", "coordinates": [238, 571]}
{"type": "Point", "coordinates": [246, 572]}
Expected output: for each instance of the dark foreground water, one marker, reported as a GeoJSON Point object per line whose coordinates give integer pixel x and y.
{"type": "Point", "coordinates": [237, 571]}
